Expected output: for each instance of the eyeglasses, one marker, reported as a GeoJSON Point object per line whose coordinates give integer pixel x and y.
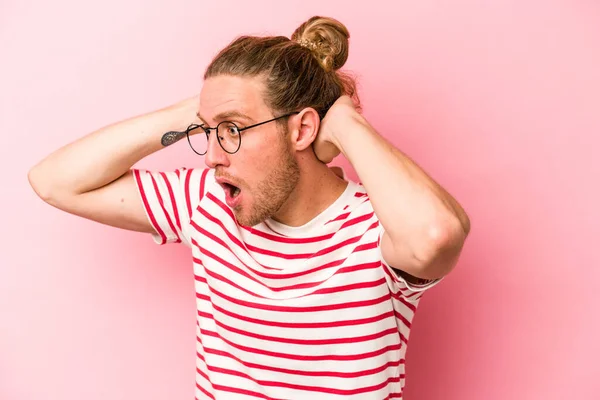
{"type": "Point", "coordinates": [228, 135]}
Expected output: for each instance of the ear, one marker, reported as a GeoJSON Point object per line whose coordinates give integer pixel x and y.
{"type": "Point", "coordinates": [305, 128]}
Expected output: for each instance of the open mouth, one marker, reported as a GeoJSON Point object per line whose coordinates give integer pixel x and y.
{"type": "Point", "coordinates": [232, 190]}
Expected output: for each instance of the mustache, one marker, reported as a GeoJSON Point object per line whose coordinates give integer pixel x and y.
{"type": "Point", "coordinates": [219, 173]}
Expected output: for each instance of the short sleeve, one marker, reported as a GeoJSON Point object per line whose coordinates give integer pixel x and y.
{"type": "Point", "coordinates": [169, 199]}
{"type": "Point", "coordinates": [398, 285]}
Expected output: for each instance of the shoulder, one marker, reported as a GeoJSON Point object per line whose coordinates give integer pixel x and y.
{"type": "Point", "coordinates": [194, 183]}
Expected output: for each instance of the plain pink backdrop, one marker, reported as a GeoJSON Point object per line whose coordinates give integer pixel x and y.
{"type": "Point", "coordinates": [497, 100]}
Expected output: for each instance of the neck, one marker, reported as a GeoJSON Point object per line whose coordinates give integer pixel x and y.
{"type": "Point", "coordinates": [317, 188]}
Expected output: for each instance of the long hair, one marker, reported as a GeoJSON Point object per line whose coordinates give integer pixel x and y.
{"type": "Point", "coordinates": [300, 72]}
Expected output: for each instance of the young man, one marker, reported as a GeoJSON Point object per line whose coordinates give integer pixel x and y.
{"type": "Point", "coordinates": [306, 282]}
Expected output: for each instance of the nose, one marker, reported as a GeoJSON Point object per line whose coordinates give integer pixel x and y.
{"type": "Point", "coordinates": [215, 155]}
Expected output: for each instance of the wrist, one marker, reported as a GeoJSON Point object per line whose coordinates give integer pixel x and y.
{"type": "Point", "coordinates": [189, 105]}
{"type": "Point", "coordinates": [347, 127]}
{"type": "Point", "coordinates": [183, 113]}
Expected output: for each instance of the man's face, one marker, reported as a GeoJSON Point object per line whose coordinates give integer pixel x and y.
{"type": "Point", "coordinates": [260, 177]}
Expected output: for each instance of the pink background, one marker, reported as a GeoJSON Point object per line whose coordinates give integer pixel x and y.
{"type": "Point", "coordinates": [498, 100]}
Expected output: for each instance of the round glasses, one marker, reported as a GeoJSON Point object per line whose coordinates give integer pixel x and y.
{"type": "Point", "coordinates": [228, 135]}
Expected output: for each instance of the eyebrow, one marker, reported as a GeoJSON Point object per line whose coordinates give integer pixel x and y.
{"type": "Point", "coordinates": [228, 115]}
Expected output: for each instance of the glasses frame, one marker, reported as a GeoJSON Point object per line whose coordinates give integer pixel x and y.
{"type": "Point", "coordinates": [207, 130]}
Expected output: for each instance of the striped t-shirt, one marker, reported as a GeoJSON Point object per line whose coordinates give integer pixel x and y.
{"type": "Point", "coordinates": [310, 312]}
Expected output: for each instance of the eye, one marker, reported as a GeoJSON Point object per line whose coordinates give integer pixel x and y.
{"type": "Point", "coordinates": [228, 129]}
{"type": "Point", "coordinates": [232, 130]}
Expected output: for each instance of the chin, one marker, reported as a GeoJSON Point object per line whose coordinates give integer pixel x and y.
{"type": "Point", "coordinates": [250, 216]}
{"type": "Point", "coordinates": [247, 222]}
{"type": "Point", "coordinates": [244, 219]}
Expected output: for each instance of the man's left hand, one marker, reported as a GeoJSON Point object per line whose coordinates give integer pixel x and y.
{"type": "Point", "coordinates": [342, 112]}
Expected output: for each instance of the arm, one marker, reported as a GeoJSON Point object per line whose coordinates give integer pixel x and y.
{"type": "Point", "coordinates": [425, 228]}
{"type": "Point", "coordinates": [92, 177]}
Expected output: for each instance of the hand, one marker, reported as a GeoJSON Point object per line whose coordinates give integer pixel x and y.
{"type": "Point", "coordinates": [187, 107]}
{"type": "Point", "coordinates": [341, 113]}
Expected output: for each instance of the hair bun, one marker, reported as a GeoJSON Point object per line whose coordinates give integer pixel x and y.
{"type": "Point", "coordinates": [328, 40]}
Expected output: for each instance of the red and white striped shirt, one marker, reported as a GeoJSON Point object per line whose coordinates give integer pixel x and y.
{"type": "Point", "coordinates": [310, 312]}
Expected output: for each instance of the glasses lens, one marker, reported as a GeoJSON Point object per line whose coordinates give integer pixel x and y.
{"type": "Point", "coordinates": [198, 139]}
{"type": "Point", "coordinates": [229, 136]}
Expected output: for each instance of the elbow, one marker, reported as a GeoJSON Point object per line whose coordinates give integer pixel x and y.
{"type": "Point", "coordinates": [40, 186]}
{"type": "Point", "coordinates": [443, 247]}
{"type": "Point", "coordinates": [465, 223]}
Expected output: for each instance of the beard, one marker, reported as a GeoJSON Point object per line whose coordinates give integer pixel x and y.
{"type": "Point", "coordinates": [272, 192]}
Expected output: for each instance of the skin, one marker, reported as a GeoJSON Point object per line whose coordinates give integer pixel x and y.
{"type": "Point", "coordinates": [282, 173]}
{"type": "Point", "coordinates": [424, 233]}
{"type": "Point", "coordinates": [91, 177]}
{"type": "Point", "coordinates": [276, 169]}
{"type": "Point", "coordinates": [426, 230]}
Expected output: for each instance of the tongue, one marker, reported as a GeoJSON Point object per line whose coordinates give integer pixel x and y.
{"type": "Point", "coordinates": [233, 190]}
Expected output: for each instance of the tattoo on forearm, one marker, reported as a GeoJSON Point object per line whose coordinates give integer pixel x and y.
{"type": "Point", "coordinates": [171, 137]}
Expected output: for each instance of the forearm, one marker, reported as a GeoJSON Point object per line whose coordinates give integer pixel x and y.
{"type": "Point", "coordinates": [415, 211]}
{"type": "Point", "coordinates": [103, 156]}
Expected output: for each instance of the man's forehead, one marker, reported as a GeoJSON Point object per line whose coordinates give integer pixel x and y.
{"type": "Point", "coordinates": [226, 97]}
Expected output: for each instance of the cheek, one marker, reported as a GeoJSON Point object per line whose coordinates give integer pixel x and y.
{"type": "Point", "coordinates": [259, 159]}
{"type": "Point", "coordinates": [259, 156]}
{"type": "Point", "coordinates": [253, 169]}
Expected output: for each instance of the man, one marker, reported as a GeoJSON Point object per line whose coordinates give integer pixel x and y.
{"type": "Point", "coordinates": [306, 282]}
